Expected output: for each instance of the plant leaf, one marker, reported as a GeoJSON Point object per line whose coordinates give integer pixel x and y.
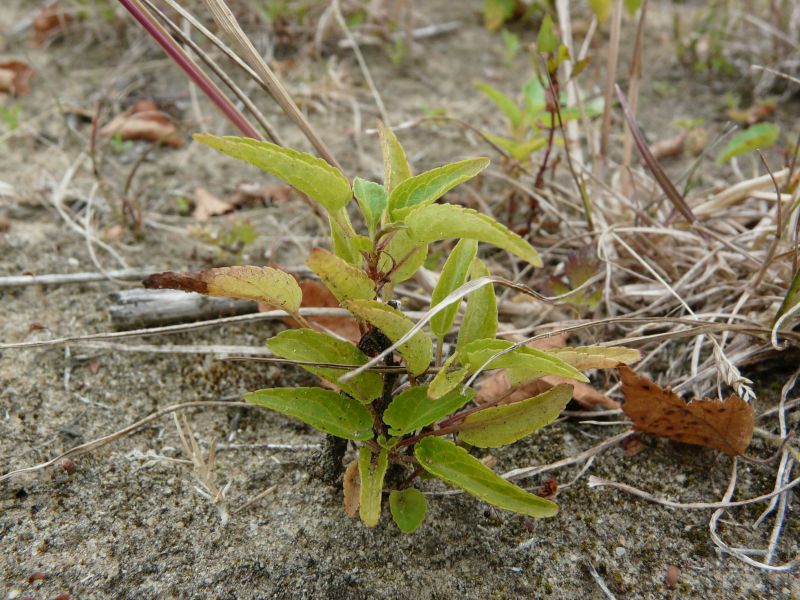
{"type": "Point", "coordinates": [453, 276]}
{"type": "Point", "coordinates": [523, 363]}
{"type": "Point", "coordinates": [395, 164]}
{"type": "Point", "coordinates": [307, 345]}
{"type": "Point", "coordinates": [596, 357]}
{"type": "Point", "coordinates": [602, 9]}
{"type": "Point", "coordinates": [412, 409]}
{"type": "Point", "coordinates": [325, 410]}
{"type": "Point", "coordinates": [724, 425]}
{"type": "Point", "coordinates": [546, 40]}
{"type": "Point", "coordinates": [535, 97]}
{"type": "Point", "coordinates": [403, 249]}
{"type": "Point", "coordinates": [371, 485]}
{"type": "Point", "coordinates": [518, 150]}
{"type": "Point", "coordinates": [500, 425]}
{"type": "Point", "coordinates": [426, 188]}
{"type": "Point", "coordinates": [305, 172]}
{"type": "Point", "coordinates": [447, 378]}
{"type": "Point", "coordinates": [480, 317]}
{"type": "Point", "coordinates": [416, 352]}
{"type": "Point", "coordinates": [263, 284]}
{"type": "Point", "coordinates": [758, 136]}
{"type": "Point", "coordinates": [496, 12]}
{"type": "Point", "coordinates": [372, 198]}
{"type": "Point", "coordinates": [506, 105]}
{"type": "Point", "coordinates": [351, 488]}
{"type": "Point", "coordinates": [343, 244]}
{"type": "Point", "coordinates": [345, 281]}
{"type": "Point", "coordinates": [444, 221]}
{"type": "Point", "coordinates": [791, 298]}
{"type": "Point", "coordinates": [408, 508]}
{"type": "Point", "coordinates": [454, 465]}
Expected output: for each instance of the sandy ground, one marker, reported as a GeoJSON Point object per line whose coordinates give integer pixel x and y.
{"type": "Point", "coordinates": [128, 522]}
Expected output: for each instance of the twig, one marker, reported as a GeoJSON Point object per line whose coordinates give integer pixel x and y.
{"type": "Point", "coordinates": [599, 580]}
{"type": "Point", "coordinates": [66, 278]}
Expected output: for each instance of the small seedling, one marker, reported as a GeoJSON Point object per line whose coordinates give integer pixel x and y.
{"type": "Point", "coordinates": [400, 395]}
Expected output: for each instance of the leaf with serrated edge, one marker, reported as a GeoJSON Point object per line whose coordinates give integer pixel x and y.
{"type": "Point", "coordinates": [402, 249]}
{"type": "Point", "coordinates": [408, 508]}
{"type": "Point", "coordinates": [447, 378]}
{"type": "Point", "coordinates": [480, 317]}
{"type": "Point", "coordinates": [416, 352]}
{"type": "Point", "coordinates": [309, 174]}
{"type": "Point", "coordinates": [372, 198]}
{"type": "Point", "coordinates": [522, 363]}
{"type": "Point", "coordinates": [501, 425]}
{"type": "Point", "coordinates": [453, 276]}
{"type": "Point", "coordinates": [426, 188]}
{"type": "Point", "coordinates": [345, 281]}
{"type": "Point", "coordinates": [371, 485]}
{"type": "Point", "coordinates": [325, 410]}
{"type": "Point", "coordinates": [307, 345]}
{"type": "Point", "coordinates": [724, 425]}
{"type": "Point", "coordinates": [395, 165]}
{"type": "Point", "coordinates": [595, 357]}
{"type": "Point", "coordinates": [454, 465]}
{"type": "Point", "coordinates": [412, 409]}
{"type": "Point", "coordinates": [263, 284]}
{"type": "Point", "coordinates": [445, 221]}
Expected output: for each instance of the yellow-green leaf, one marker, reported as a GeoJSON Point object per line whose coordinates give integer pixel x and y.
{"type": "Point", "coordinates": [408, 508]}
{"type": "Point", "coordinates": [345, 281]}
{"type": "Point", "coordinates": [453, 276]}
{"type": "Point", "coordinates": [596, 357]}
{"type": "Point", "coordinates": [518, 150]}
{"type": "Point", "coordinates": [601, 9]}
{"type": "Point", "coordinates": [444, 221]}
{"type": "Point", "coordinates": [311, 346]}
{"type": "Point", "coordinates": [395, 165]}
{"type": "Point", "coordinates": [309, 174]}
{"type": "Point", "coordinates": [406, 252]}
{"type": "Point", "coordinates": [523, 364]}
{"type": "Point", "coordinates": [506, 105]}
{"type": "Point", "coordinates": [501, 425]}
{"type": "Point", "coordinates": [454, 465]}
{"type": "Point", "coordinates": [263, 284]}
{"type": "Point", "coordinates": [344, 243]}
{"type": "Point", "coordinates": [416, 352]}
{"type": "Point", "coordinates": [761, 135]}
{"type": "Point", "coordinates": [371, 485]}
{"type": "Point", "coordinates": [480, 317]}
{"type": "Point", "coordinates": [412, 409]}
{"type": "Point", "coordinates": [447, 378]}
{"type": "Point", "coordinates": [426, 188]}
{"type": "Point", "coordinates": [325, 410]}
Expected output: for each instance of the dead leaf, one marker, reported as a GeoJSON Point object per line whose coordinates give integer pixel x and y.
{"type": "Point", "coordinates": [351, 485]}
{"type": "Point", "coordinates": [208, 205]}
{"type": "Point", "coordinates": [760, 111]}
{"type": "Point", "coordinates": [144, 122]}
{"type": "Point", "coordinates": [248, 192]}
{"type": "Point", "coordinates": [669, 147]}
{"type": "Point", "coordinates": [316, 295]}
{"type": "Point", "coordinates": [633, 445]}
{"type": "Point", "coordinates": [49, 22]}
{"type": "Point", "coordinates": [547, 490]}
{"type": "Point", "coordinates": [725, 425]}
{"type": "Point", "coordinates": [15, 77]}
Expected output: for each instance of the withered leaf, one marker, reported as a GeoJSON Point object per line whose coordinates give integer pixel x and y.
{"type": "Point", "coordinates": [208, 205]}
{"type": "Point", "coordinates": [50, 21]}
{"type": "Point", "coordinates": [351, 485]}
{"type": "Point", "coordinates": [144, 122]}
{"type": "Point", "coordinates": [725, 425]}
{"type": "Point", "coordinates": [15, 77]}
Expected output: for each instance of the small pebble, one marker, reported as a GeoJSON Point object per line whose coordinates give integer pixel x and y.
{"type": "Point", "coordinates": [619, 551]}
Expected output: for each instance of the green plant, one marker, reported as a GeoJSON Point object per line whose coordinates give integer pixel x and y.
{"type": "Point", "coordinates": [10, 115]}
{"type": "Point", "coordinates": [398, 399]}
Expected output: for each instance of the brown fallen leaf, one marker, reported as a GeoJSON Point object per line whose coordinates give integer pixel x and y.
{"type": "Point", "coordinates": [760, 111]}
{"type": "Point", "coordinates": [316, 295]}
{"type": "Point", "coordinates": [15, 77]}
{"type": "Point", "coordinates": [50, 21]}
{"type": "Point", "coordinates": [633, 445]}
{"type": "Point", "coordinates": [248, 192]}
{"type": "Point", "coordinates": [144, 122]}
{"type": "Point", "coordinates": [351, 485]}
{"type": "Point", "coordinates": [669, 147]}
{"type": "Point", "coordinates": [208, 205]}
{"type": "Point", "coordinates": [724, 425]}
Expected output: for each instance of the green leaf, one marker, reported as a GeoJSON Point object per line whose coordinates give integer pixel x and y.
{"type": "Point", "coordinates": [372, 198]}
{"type": "Point", "coordinates": [325, 410]}
{"type": "Point", "coordinates": [447, 378]}
{"type": "Point", "coordinates": [523, 364]}
{"type": "Point", "coordinates": [309, 174]}
{"type": "Point", "coordinates": [758, 136]}
{"type": "Point", "coordinates": [602, 8]}
{"type": "Point", "coordinates": [519, 150]}
{"type": "Point", "coordinates": [402, 249]}
{"type": "Point", "coordinates": [496, 12]}
{"type": "Point", "coordinates": [416, 352]}
{"type": "Point", "coordinates": [412, 409]}
{"type": "Point", "coordinates": [408, 508]}
{"type": "Point", "coordinates": [345, 281]}
{"type": "Point", "coordinates": [263, 284]}
{"type": "Point", "coordinates": [546, 40]}
{"type": "Point", "coordinates": [791, 299]}
{"type": "Point", "coordinates": [501, 425]}
{"type": "Point", "coordinates": [632, 6]}
{"type": "Point", "coordinates": [595, 357]}
{"type": "Point", "coordinates": [535, 97]}
{"type": "Point", "coordinates": [480, 318]}
{"type": "Point", "coordinates": [344, 245]}
{"type": "Point", "coordinates": [444, 221]}
{"type": "Point", "coordinates": [453, 276]}
{"type": "Point", "coordinates": [506, 105]}
{"type": "Point", "coordinates": [395, 164]}
{"type": "Point", "coordinates": [454, 465]}
{"type": "Point", "coordinates": [371, 485]}
{"type": "Point", "coordinates": [311, 346]}
{"type": "Point", "coordinates": [426, 188]}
